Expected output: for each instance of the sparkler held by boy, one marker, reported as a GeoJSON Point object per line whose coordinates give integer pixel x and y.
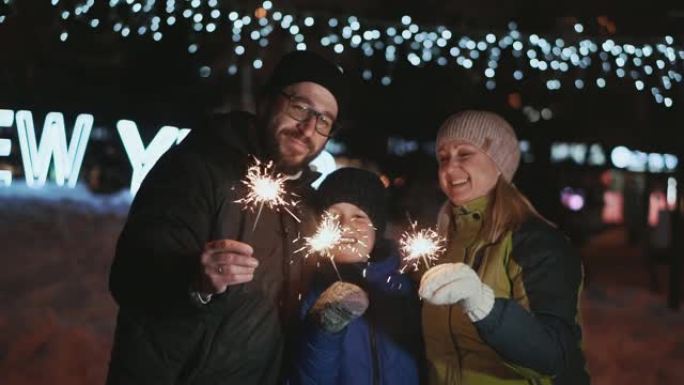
{"type": "Point", "coordinates": [366, 301]}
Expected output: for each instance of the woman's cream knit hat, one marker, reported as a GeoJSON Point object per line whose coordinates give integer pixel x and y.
{"type": "Point", "coordinates": [487, 131]}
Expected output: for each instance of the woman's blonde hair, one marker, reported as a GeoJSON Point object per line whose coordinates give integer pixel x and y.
{"type": "Point", "coordinates": [507, 209]}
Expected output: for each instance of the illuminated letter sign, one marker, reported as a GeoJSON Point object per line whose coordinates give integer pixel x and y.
{"type": "Point", "coordinates": [6, 120]}
{"type": "Point", "coordinates": [142, 159]}
{"type": "Point", "coordinates": [325, 164]}
{"type": "Point", "coordinates": [53, 146]}
{"type": "Point", "coordinates": [37, 156]}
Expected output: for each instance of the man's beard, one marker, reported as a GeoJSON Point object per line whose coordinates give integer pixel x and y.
{"type": "Point", "coordinates": [268, 136]}
{"type": "Point", "coordinates": [304, 162]}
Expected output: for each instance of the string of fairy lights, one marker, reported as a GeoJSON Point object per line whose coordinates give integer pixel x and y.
{"type": "Point", "coordinates": [575, 60]}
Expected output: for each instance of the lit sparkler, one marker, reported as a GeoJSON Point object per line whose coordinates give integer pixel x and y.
{"type": "Point", "coordinates": [420, 245]}
{"type": "Point", "coordinates": [266, 188]}
{"type": "Point", "coordinates": [328, 239]}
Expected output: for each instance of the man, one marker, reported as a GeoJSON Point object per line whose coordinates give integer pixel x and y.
{"type": "Point", "coordinates": [203, 298]}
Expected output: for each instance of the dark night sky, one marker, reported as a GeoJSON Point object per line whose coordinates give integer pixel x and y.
{"type": "Point", "coordinates": [157, 83]}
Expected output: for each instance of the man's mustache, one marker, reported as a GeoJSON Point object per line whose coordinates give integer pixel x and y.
{"type": "Point", "coordinates": [296, 134]}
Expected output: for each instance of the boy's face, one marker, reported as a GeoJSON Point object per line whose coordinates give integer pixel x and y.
{"type": "Point", "coordinates": [359, 237]}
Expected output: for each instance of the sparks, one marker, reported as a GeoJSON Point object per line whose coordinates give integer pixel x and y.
{"type": "Point", "coordinates": [416, 246]}
{"type": "Point", "coordinates": [328, 239]}
{"type": "Point", "coordinates": [265, 187]}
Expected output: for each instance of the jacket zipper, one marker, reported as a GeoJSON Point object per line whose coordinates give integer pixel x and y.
{"type": "Point", "coordinates": [287, 271]}
{"type": "Point", "coordinates": [374, 353]}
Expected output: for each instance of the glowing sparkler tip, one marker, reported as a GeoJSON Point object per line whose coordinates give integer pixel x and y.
{"type": "Point", "coordinates": [330, 238]}
{"type": "Point", "coordinates": [266, 187]}
{"type": "Point", "coordinates": [424, 245]}
{"type": "Point", "coordinates": [327, 236]}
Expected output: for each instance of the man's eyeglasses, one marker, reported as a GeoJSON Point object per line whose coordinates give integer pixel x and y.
{"type": "Point", "coordinates": [298, 110]}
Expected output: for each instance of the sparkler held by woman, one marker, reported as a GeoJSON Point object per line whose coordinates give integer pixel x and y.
{"type": "Point", "coordinates": [423, 245]}
{"type": "Point", "coordinates": [503, 306]}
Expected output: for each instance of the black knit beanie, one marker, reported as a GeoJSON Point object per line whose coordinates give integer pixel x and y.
{"type": "Point", "coordinates": [359, 187]}
{"type": "Point", "coordinates": [307, 66]}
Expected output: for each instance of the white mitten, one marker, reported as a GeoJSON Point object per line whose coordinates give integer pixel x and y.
{"type": "Point", "coordinates": [452, 283]}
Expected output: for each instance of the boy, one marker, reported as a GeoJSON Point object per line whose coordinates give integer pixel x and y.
{"type": "Point", "coordinates": [364, 329]}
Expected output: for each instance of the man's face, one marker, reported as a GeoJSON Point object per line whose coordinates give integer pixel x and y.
{"type": "Point", "coordinates": [296, 142]}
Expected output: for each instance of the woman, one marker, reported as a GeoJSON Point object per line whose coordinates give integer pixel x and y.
{"type": "Point", "coordinates": [503, 309]}
{"type": "Point", "coordinates": [365, 329]}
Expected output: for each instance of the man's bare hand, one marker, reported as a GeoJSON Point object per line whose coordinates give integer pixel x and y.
{"type": "Point", "coordinates": [224, 263]}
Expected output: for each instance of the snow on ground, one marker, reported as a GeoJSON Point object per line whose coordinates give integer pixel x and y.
{"type": "Point", "coordinates": [79, 198]}
{"type": "Point", "coordinates": [57, 318]}
{"type": "Point", "coordinates": [632, 337]}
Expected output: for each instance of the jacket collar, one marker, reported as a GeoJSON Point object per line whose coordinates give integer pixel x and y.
{"type": "Point", "coordinates": [462, 223]}
{"type": "Point", "coordinates": [476, 206]}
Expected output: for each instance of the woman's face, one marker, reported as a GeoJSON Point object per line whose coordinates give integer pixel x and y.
{"type": "Point", "coordinates": [359, 235]}
{"type": "Point", "coordinates": [465, 172]}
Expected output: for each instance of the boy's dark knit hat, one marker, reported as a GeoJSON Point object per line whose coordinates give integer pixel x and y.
{"type": "Point", "coordinates": [359, 187]}
{"type": "Point", "coordinates": [308, 66]}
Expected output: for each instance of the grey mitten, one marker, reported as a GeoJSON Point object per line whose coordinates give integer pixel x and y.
{"type": "Point", "coordinates": [338, 305]}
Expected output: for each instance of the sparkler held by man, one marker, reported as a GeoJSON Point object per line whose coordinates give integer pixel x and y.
{"type": "Point", "coordinates": [185, 254]}
{"type": "Point", "coordinates": [266, 187]}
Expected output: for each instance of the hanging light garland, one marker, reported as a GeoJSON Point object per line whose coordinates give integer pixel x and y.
{"type": "Point", "coordinates": [578, 61]}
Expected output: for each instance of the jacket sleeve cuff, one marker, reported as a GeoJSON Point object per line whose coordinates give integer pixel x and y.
{"type": "Point", "coordinates": [200, 298]}
{"type": "Point", "coordinates": [481, 305]}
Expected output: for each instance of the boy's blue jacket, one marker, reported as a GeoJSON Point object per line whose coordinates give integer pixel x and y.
{"type": "Point", "coordinates": [383, 347]}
